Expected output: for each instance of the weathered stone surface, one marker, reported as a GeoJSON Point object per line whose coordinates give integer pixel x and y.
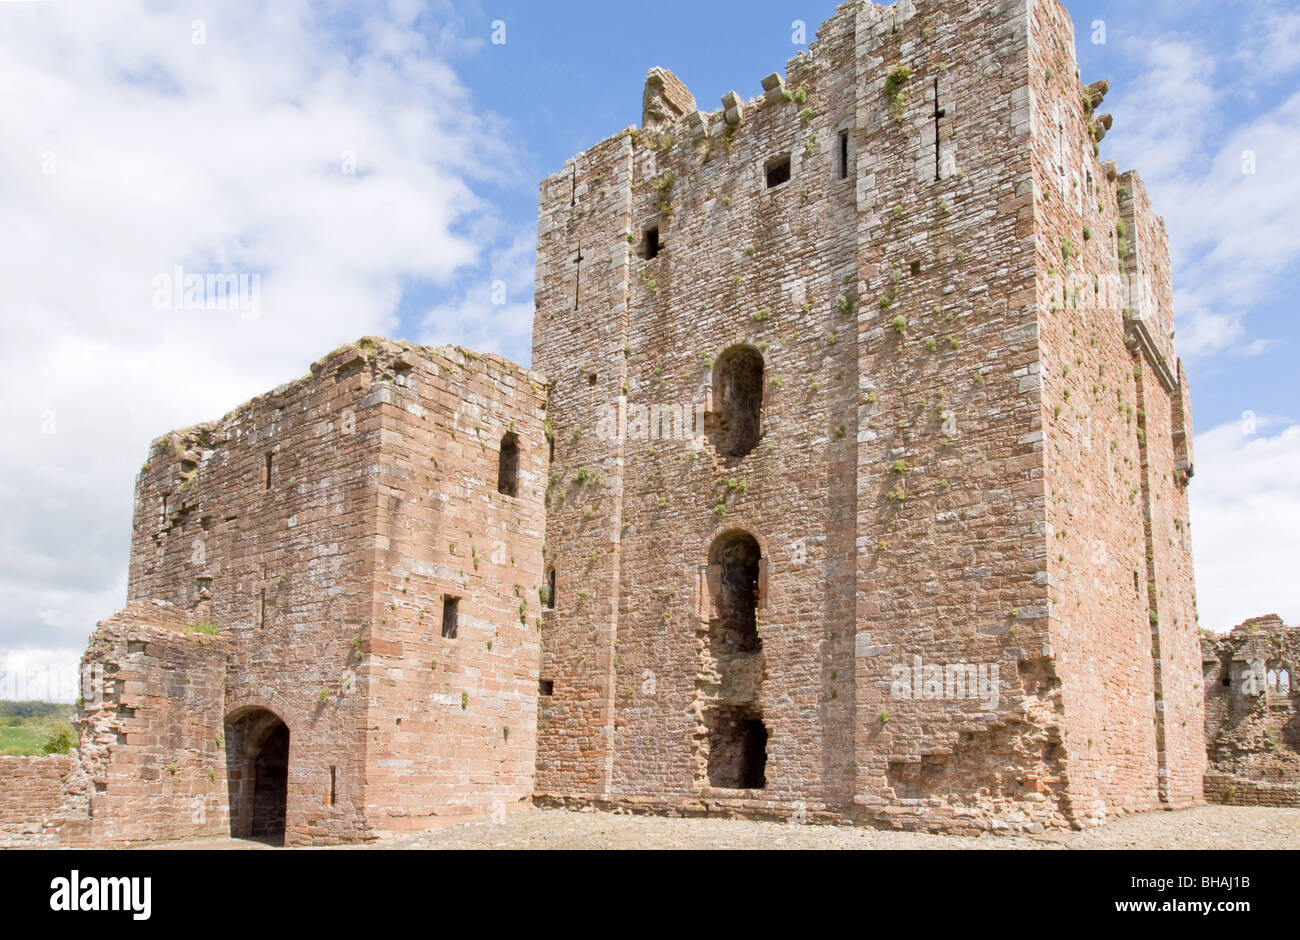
{"type": "Point", "coordinates": [1252, 697]}
{"type": "Point", "coordinates": [665, 99]}
{"type": "Point", "coordinates": [960, 455]}
{"type": "Point", "coordinates": [854, 489]}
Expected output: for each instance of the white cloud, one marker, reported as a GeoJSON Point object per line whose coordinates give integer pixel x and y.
{"type": "Point", "coordinates": [495, 312]}
{"type": "Point", "coordinates": [1245, 511]}
{"type": "Point", "coordinates": [1182, 123]}
{"type": "Point", "coordinates": [47, 675]}
{"type": "Point", "coordinates": [1272, 46]}
{"type": "Point", "coordinates": [128, 149]}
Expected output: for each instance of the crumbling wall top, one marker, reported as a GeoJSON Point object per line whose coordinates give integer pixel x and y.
{"type": "Point", "coordinates": [666, 98]}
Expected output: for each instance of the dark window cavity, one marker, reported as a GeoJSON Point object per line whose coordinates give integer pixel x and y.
{"type": "Point", "coordinates": [778, 172]}
{"type": "Point", "coordinates": [508, 466]}
{"type": "Point", "coordinates": [450, 617]}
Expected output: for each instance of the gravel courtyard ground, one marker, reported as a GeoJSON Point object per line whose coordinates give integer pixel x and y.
{"type": "Point", "coordinates": [1209, 827]}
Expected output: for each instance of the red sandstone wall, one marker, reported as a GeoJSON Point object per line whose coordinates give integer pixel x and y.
{"type": "Point", "coordinates": [151, 729]}
{"type": "Point", "coordinates": [950, 498]}
{"type": "Point", "coordinates": [1123, 597]}
{"type": "Point", "coordinates": [453, 722]}
{"type": "Point", "coordinates": [581, 333]}
{"type": "Point", "coordinates": [327, 576]}
{"type": "Point", "coordinates": [947, 383]}
{"type": "Point", "coordinates": [1251, 726]}
{"type": "Point", "coordinates": [1097, 549]}
{"type": "Point", "coordinates": [37, 805]}
{"type": "Point", "coordinates": [280, 566]}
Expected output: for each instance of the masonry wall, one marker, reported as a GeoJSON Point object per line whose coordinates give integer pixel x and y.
{"type": "Point", "coordinates": [318, 528]}
{"type": "Point", "coordinates": [453, 721]}
{"type": "Point", "coordinates": [1119, 546]}
{"type": "Point", "coordinates": [947, 363]}
{"type": "Point", "coordinates": [275, 556]}
{"type": "Point", "coordinates": [1097, 547]}
{"type": "Point", "coordinates": [36, 805]}
{"type": "Point", "coordinates": [1252, 700]}
{"type": "Point", "coordinates": [951, 535]}
{"type": "Point", "coordinates": [151, 729]}
{"type": "Point", "coordinates": [150, 765]}
{"type": "Point", "coordinates": [801, 272]}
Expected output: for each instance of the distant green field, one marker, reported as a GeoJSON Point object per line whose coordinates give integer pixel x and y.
{"type": "Point", "coordinates": [28, 728]}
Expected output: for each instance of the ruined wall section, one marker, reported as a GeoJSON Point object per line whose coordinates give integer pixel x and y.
{"type": "Point", "coordinates": [263, 523]}
{"type": "Point", "coordinates": [1252, 714]}
{"type": "Point", "coordinates": [1097, 546]}
{"type": "Point", "coordinates": [151, 727]}
{"type": "Point", "coordinates": [586, 240]}
{"type": "Point", "coordinates": [43, 801]}
{"type": "Point", "coordinates": [452, 719]}
{"type": "Point", "coordinates": [150, 765]}
{"type": "Point", "coordinates": [1171, 590]}
{"type": "Point", "coordinates": [951, 535]}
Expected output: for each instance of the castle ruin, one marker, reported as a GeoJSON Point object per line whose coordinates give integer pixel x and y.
{"type": "Point", "coordinates": [1252, 700]}
{"type": "Point", "coordinates": [851, 485]}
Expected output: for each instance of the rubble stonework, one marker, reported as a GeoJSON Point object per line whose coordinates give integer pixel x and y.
{"type": "Point", "coordinates": [851, 486]}
{"type": "Point", "coordinates": [1252, 699]}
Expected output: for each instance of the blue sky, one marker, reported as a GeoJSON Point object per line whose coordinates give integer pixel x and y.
{"type": "Point", "coordinates": [570, 74]}
{"type": "Point", "coordinates": [145, 134]}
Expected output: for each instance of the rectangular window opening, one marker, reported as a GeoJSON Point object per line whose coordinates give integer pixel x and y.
{"type": "Point", "coordinates": [508, 466]}
{"type": "Point", "coordinates": [334, 793]}
{"type": "Point", "coordinates": [546, 688]}
{"type": "Point", "coordinates": [844, 155]}
{"type": "Point", "coordinates": [778, 172]}
{"type": "Point", "coordinates": [270, 461]}
{"type": "Point", "coordinates": [652, 243]}
{"type": "Point", "coordinates": [450, 617]}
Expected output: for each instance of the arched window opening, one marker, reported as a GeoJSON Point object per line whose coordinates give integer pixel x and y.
{"type": "Point", "coordinates": [508, 466]}
{"type": "Point", "coordinates": [738, 401]}
{"type": "Point", "coordinates": [737, 739]}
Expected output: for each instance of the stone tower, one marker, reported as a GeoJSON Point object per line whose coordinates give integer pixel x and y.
{"type": "Point", "coordinates": [869, 445]}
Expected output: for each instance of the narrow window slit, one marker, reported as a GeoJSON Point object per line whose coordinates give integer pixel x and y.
{"type": "Point", "coordinates": [939, 114]}
{"type": "Point", "coordinates": [508, 466]}
{"type": "Point", "coordinates": [450, 617]}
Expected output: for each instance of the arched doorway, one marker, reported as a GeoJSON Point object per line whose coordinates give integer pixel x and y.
{"type": "Point", "coordinates": [257, 767]}
{"type": "Point", "coordinates": [737, 739]}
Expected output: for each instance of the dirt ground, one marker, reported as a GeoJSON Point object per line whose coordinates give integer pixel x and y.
{"type": "Point", "coordinates": [1208, 827]}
